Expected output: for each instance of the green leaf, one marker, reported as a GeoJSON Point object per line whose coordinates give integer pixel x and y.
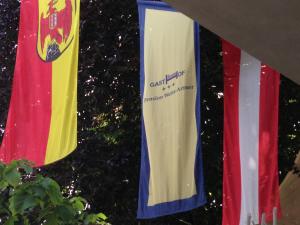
{"type": "Point", "coordinates": [3, 185]}
{"type": "Point", "coordinates": [11, 220]}
{"type": "Point", "coordinates": [78, 203]}
{"type": "Point", "coordinates": [2, 167]}
{"type": "Point", "coordinates": [90, 219]}
{"type": "Point", "coordinates": [52, 219]}
{"type": "Point", "coordinates": [102, 216]}
{"type": "Point", "coordinates": [12, 175]}
{"type": "Point", "coordinates": [21, 202]}
{"type": "Point", "coordinates": [65, 212]}
{"type": "Point", "coordinates": [53, 191]}
{"type": "Point", "coordinates": [26, 220]}
{"type": "Point", "coordinates": [38, 191]}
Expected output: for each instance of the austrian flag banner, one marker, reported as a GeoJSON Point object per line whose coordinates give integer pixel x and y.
{"type": "Point", "coordinates": [171, 178]}
{"type": "Point", "coordinates": [250, 179]}
{"type": "Point", "coordinates": [42, 119]}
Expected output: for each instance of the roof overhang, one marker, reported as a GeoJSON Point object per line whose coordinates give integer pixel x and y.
{"type": "Point", "coordinates": [266, 29]}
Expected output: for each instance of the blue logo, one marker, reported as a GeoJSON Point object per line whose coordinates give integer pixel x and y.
{"type": "Point", "coordinates": [167, 80]}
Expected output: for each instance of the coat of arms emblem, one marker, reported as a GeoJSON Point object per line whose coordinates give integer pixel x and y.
{"type": "Point", "coordinates": [55, 31]}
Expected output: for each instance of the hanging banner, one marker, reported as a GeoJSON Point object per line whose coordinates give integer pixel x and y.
{"type": "Point", "coordinates": [250, 180]}
{"type": "Point", "coordinates": [42, 119]}
{"type": "Point", "coordinates": [171, 178]}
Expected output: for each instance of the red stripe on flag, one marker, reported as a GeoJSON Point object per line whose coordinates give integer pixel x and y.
{"type": "Point", "coordinates": [232, 168]}
{"type": "Point", "coordinates": [268, 136]}
{"type": "Point", "coordinates": [27, 127]}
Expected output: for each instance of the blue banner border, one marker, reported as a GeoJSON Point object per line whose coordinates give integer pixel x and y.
{"type": "Point", "coordinates": [144, 211]}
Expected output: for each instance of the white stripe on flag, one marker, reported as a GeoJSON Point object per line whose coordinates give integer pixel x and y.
{"type": "Point", "coordinates": [249, 92]}
{"type": "Point", "coordinates": [250, 182]}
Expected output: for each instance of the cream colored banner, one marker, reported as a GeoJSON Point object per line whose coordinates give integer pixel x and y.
{"type": "Point", "coordinates": [169, 105]}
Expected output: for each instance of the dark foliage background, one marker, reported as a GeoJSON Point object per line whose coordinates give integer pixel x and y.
{"type": "Point", "coordinates": [105, 167]}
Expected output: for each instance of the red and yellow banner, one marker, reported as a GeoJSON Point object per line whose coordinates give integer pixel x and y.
{"type": "Point", "coordinates": [42, 119]}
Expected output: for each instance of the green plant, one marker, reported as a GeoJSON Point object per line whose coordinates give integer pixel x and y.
{"type": "Point", "coordinates": [28, 198]}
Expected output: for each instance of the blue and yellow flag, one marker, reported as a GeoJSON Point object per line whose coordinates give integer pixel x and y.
{"type": "Point", "coordinates": [171, 178]}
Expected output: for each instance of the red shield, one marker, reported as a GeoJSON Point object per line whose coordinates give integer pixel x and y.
{"type": "Point", "coordinates": [55, 27]}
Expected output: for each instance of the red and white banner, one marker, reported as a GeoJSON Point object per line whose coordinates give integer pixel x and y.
{"type": "Point", "coordinates": [250, 180]}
